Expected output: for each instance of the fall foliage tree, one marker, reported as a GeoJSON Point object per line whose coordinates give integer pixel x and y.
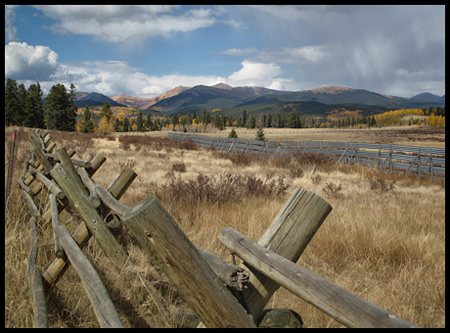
{"type": "Point", "coordinates": [105, 126]}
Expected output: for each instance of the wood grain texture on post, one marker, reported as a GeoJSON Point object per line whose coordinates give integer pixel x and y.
{"type": "Point", "coordinates": [288, 235]}
{"type": "Point", "coordinates": [344, 306]}
{"type": "Point", "coordinates": [92, 219]}
{"type": "Point", "coordinates": [178, 258]}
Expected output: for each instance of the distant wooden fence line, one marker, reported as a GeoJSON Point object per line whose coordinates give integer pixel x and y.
{"type": "Point", "coordinates": [213, 288]}
{"type": "Point", "coordinates": [422, 161]}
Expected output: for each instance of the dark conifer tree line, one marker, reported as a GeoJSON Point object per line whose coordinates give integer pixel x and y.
{"type": "Point", "coordinates": [25, 108]}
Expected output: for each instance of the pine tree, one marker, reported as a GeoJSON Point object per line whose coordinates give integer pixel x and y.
{"type": "Point", "coordinates": [24, 118]}
{"type": "Point", "coordinates": [140, 122]}
{"type": "Point", "coordinates": [244, 118]}
{"type": "Point", "coordinates": [35, 107]}
{"type": "Point", "coordinates": [232, 134]}
{"type": "Point", "coordinates": [252, 122]}
{"type": "Point", "coordinates": [293, 120]}
{"type": "Point", "coordinates": [86, 124]}
{"type": "Point", "coordinates": [260, 135]}
{"type": "Point", "coordinates": [117, 125]}
{"type": "Point", "coordinates": [59, 109]}
{"type": "Point", "coordinates": [12, 104]}
{"type": "Point", "coordinates": [148, 122]}
{"type": "Point", "coordinates": [125, 125]}
{"type": "Point", "coordinates": [106, 111]}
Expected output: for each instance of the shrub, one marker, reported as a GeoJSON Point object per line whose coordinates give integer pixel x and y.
{"type": "Point", "coordinates": [316, 179]}
{"type": "Point", "coordinates": [221, 189]}
{"type": "Point", "coordinates": [332, 190]}
{"type": "Point", "coordinates": [179, 167]}
{"type": "Point", "coordinates": [379, 184]}
{"type": "Point", "coordinates": [296, 171]}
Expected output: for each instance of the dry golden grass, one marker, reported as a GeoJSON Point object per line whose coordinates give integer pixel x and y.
{"type": "Point", "coordinates": [400, 135]}
{"type": "Point", "coordinates": [384, 239]}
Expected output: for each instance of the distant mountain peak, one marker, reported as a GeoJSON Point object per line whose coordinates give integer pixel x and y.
{"type": "Point", "coordinates": [429, 97]}
{"type": "Point", "coordinates": [222, 85]}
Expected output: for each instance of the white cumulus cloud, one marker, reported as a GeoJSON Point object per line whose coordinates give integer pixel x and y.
{"type": "Point", "coordinates": [23, 61]}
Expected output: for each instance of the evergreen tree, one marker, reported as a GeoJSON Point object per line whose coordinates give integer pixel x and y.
{"type": "Point", "coordinates": [252, 122]}
{"type": "Point", "coordinates": [148, 123]}
{"type": "Point", "coordinates": [125, 125]}
{"type": "Point", "coordinates": [293, 120]}
{"type": "Point", "coordinates": [59, 109]}
{"type": "Point", "coordinates": [269, 120]}
{"type": "Point", "coordinates": [86, 124]}
{"type": "Point", "coordinates": [260, 134]}
{"type": "Point", "coordinates": [24, 118]}
{"type": "Point", "coordinates": [35, 107]}
{"type": "Point", "coordinates": [244, 118]}
{"type": "Point", "coordinates": [140, 122]}
{"type": "Point", "coordinates": [117, 125]}
{"type": "Point", "coordinates": [233, 134]}
{"type": "Point", "coordinates": [12, 104]}
{"type": "Point", "coordinates": [106, 111]}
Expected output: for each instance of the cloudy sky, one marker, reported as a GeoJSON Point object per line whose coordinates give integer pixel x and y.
{"type": "Point", "coordinates": [144, 51]}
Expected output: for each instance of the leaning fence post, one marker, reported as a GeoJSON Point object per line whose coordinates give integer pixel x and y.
{"type": "Point", "coordinates": [94, 222]}
{"type": "Point", "coordinates": [156, 231]}
{"type": "Point", "coordinates": [288, 235]}
{"type": "Point", "coordinates": [81, 235]}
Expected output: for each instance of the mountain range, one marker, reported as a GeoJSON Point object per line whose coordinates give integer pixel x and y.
{"type": "Point", "coordinates": [224, 98]}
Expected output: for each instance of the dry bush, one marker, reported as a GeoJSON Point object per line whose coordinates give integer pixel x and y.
{"type": "Point", "coordinates": [379, 184]}
{"type": "Point", "coordinates": [238, 158]}
{"type": "Point", "coordinates": [296, 171]}
{"type": "Point", "coordinates": [332, 190]}
{"type": "Point", "coordinates": [218, 190]}
{"type": "Point", "coordinates": [179, 167]}
{"type": "Point", "coordinates": [316, 179]}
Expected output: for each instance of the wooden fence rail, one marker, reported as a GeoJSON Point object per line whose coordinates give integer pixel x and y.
{"type": "Point", "coordinates": [422, 161]}
{"type": "Point", "coordinates": [221, 294]}
{"type": "Point", "coordinates": [339, 303]}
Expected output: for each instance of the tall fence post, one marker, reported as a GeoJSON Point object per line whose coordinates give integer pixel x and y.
{"type": "Point", "coordinates": [288, 235]}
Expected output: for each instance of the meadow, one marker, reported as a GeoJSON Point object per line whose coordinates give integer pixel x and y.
{"type": "Point", "coordinates": [384, 239]}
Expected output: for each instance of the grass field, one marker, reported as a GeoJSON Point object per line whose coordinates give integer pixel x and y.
{"type": "Point", "coordinates": [383, 241]}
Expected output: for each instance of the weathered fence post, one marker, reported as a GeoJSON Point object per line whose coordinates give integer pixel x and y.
{"type": "Point", "coordinates": [288, 236]}
{"type": "Point", "coordinates": [155, 229]}
{"type": "Point", "coordinates": [81, 235]}
{"type": "Point", "coordinates": [94, 222]}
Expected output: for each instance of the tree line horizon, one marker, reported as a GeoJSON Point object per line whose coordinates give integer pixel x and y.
{"type": "Point", "coordinates": [25, 108]}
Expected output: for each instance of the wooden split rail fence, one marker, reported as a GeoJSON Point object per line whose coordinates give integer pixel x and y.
{"type": "Point", "coordinates": [220, 293]}
{"type": "Point", "coordinates": [422, 161]}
